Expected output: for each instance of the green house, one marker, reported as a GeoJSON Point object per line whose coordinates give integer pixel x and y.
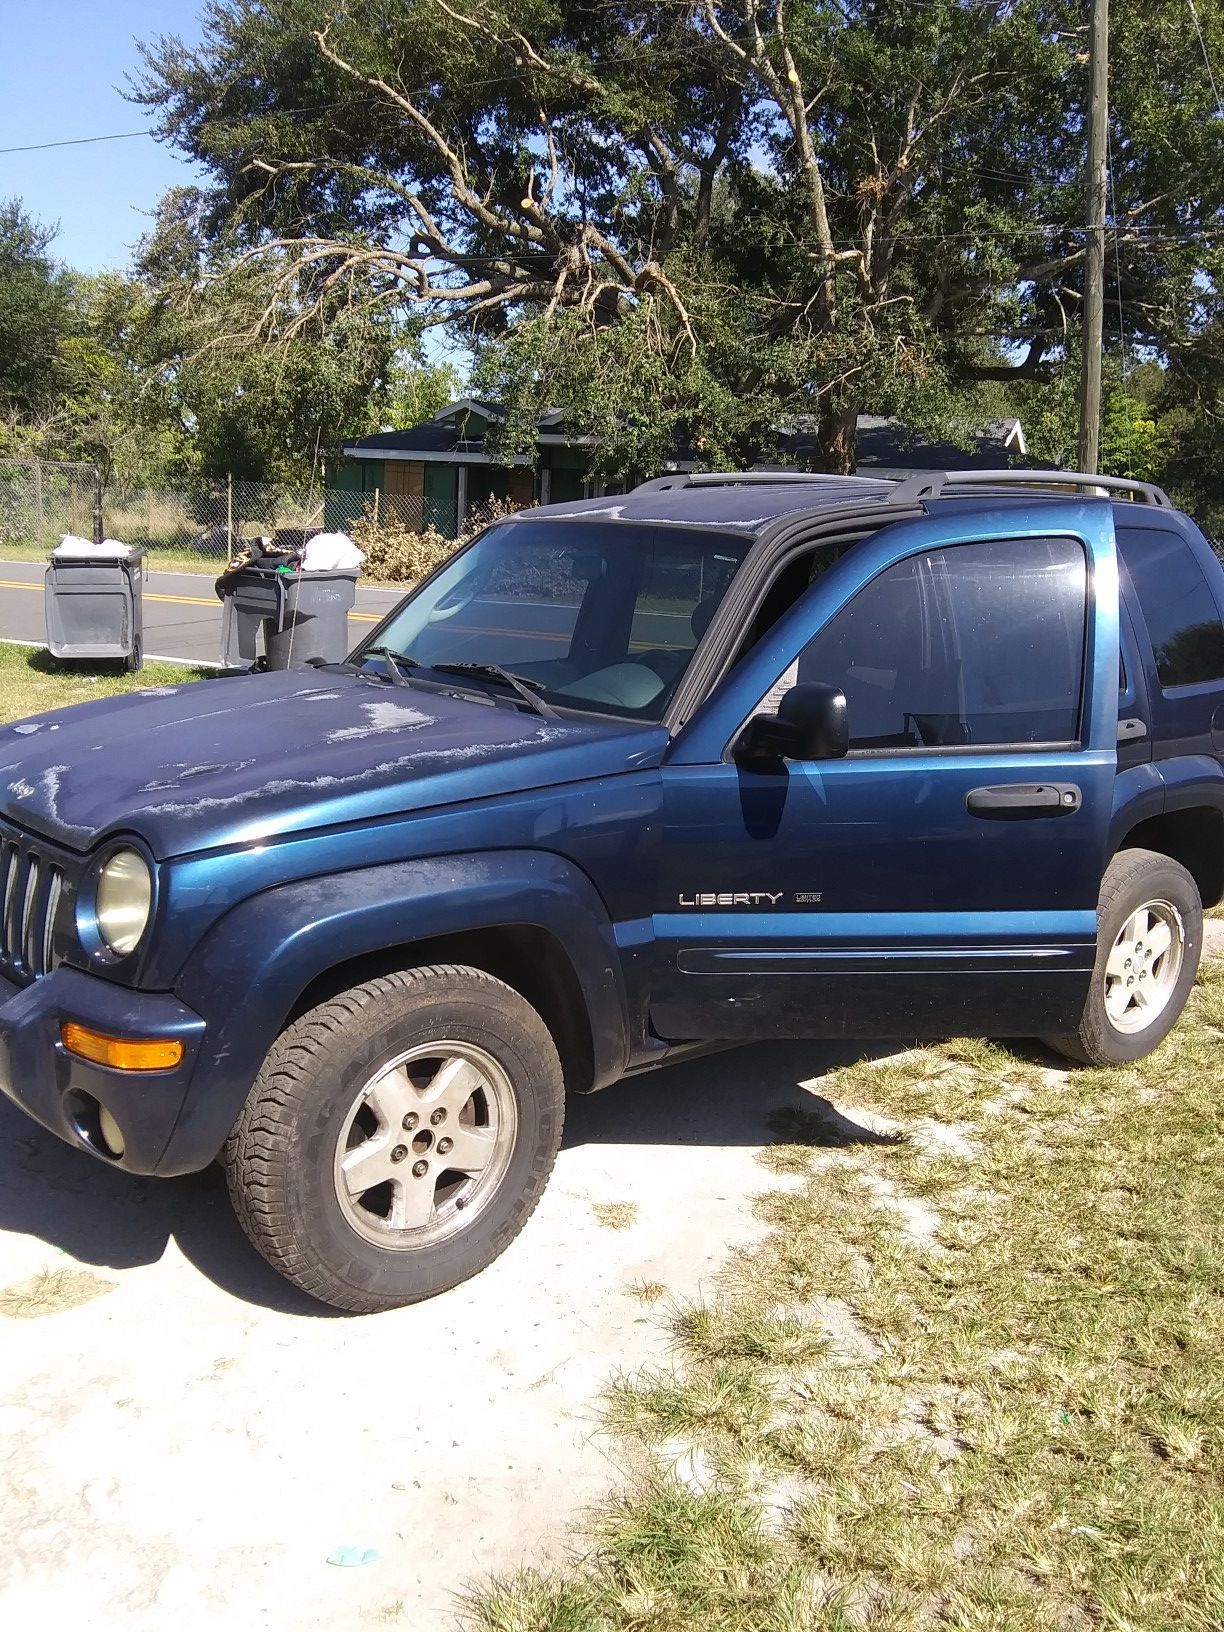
{"type": "Point", "coordinates": [438, 471]}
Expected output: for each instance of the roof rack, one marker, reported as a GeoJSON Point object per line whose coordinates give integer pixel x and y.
{"type": "Point", "coordinates": [938, 482]}
{"type": "Point", "coordinates": [932, 484]}
{"type": "Point", "coordinates": [753, 478]}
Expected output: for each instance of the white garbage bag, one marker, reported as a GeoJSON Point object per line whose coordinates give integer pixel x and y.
{"type": "Point", "coordinates": [72, 546]}
{"type": "Point", "coordinates": [331, 552]}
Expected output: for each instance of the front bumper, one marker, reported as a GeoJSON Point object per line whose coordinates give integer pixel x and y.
{"type": "Point", "coordinates": [63, 1092]}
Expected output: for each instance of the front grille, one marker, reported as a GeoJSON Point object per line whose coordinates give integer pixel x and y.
{"type": "Point", "coordinates": [31, 889]}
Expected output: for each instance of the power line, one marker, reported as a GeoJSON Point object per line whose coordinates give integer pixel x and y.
{"type": "Point", "coordinates": [77, 141]}
{"type": "Point", "coordinates": [1215, 89]}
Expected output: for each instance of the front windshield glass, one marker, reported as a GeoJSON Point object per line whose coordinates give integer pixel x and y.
{"type": "Point", "coordinates": [591, 614]}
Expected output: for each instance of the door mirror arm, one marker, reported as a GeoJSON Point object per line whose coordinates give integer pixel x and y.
{"type": "Point", "coordinates": [810, 724]}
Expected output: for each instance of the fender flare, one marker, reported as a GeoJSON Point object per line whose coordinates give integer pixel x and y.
{"type": "Point", "coordinates": [1139, 795]}
{"type": "Point", "coordinates": [249, 971]}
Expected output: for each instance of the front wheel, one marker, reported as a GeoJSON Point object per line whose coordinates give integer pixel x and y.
{"type": "Point", "coordinates": [1149, 941]}
{"type": "Point", "coordinates": [398, 1137]}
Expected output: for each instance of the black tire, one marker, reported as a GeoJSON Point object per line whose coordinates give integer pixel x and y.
{"type": "Point", "coordinates": [282, 1157]}
{"type": "Point", "coordinates": [1134, 879]}
{"type": "Point", "coordinates": [133, 662]}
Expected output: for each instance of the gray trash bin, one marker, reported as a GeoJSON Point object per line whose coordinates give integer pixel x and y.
{"type": "Point", "coordinates": [302, 615]}
{"type": "Point", "coordinates": [93, 607]}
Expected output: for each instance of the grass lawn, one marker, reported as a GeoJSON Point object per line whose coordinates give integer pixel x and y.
{"type": "Point", "coordinates": [32, 681]}
{"type": "Point", "coordinates": [972, 1379]}
{"type": "Point", "coordinates": [161, 560]}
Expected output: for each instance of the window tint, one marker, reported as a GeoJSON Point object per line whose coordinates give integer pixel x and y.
{"type": "Point", "coordinates": [1181, 615]}
{"type": "Point", "coordinates": [974, 645]}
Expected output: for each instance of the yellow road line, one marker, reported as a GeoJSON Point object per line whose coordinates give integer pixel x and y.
{"type": "Point", "coordinates": [179, 600]}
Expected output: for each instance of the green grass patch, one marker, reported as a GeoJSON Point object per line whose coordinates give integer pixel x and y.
{"type": "Point", "coordinates": [161, 560]}
{"type": "Point", "coordinates": [1010, 1419]}
{"type": "Point", "coordinates": [32, 681]}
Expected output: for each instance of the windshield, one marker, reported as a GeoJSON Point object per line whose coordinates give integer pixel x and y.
{"type": "Point", "coordinates": [591, 614]}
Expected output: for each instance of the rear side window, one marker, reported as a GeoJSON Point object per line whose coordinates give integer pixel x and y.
{"type": "Point", "coordinates": [974, 645]}
{"type": "Point", "coordinates": [1177, 604]}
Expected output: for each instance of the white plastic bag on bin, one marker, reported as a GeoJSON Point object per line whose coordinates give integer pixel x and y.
{"type": "Point", "coordinates": [331, 552]}
{"type": "Point", "coordinates": [72, 547]}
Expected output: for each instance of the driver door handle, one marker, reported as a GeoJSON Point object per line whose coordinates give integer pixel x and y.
{"type": "Point", "coordinates": [1023, 799]}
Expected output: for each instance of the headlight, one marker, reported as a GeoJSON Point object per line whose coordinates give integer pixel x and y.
{"type": "Point", "coordinates": [124, 900]}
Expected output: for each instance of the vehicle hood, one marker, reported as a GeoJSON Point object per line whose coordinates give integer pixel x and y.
{"type": "Point", "coordinates": [238, 759]}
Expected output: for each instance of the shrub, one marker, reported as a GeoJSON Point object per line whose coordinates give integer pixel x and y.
{"type": "Point", "coordinates": [399, 553]}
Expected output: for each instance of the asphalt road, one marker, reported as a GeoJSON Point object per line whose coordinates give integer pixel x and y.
{"type": "Point", "coordinates": [182, 615]}
{"type": "Point", "coordinates": [182, 619]}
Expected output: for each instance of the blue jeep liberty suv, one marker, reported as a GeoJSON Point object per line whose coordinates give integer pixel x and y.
{"type": "Point", "coordinates": [727, 757]}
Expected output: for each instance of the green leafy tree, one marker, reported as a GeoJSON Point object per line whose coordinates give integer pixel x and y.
{"type": "Point", "coordinates": [718, 216]}
{"type": "Point", "coordinates": [1191, 407]}
{"type": "Point", "coordinates": [417, 390]}
{"type": "Point", "coordinates": [1136, 440]}
{"type": "Point", "coordinates": [37, 314]}
{"type": "Point", "coordinates": [65, 369]}
{"type": "Point", "coordinates": [227, 404]}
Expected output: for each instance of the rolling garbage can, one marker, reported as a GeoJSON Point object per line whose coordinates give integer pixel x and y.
{"type": "Point", "coordinates": [303, 616]}
{"type": "Point", "coordinates": [93, 605]}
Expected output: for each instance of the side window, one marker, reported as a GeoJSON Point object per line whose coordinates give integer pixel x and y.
{"type": "Point", "coordinates": [973, 645]}
{"type": "Point", "coordinates": [1177, 605]}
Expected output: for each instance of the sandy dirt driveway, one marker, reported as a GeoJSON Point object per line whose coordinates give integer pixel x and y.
{"type": "Point", "coordinates": [189, 1447]}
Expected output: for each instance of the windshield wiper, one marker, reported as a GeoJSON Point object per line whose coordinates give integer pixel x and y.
{"type": "Point", "coordinates": [393, 660]}
{"type": "Point", "coordinates": [526, 689]}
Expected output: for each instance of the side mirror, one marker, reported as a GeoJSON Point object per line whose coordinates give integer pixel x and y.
{"type": "Point", "coordinates": [810, 724]}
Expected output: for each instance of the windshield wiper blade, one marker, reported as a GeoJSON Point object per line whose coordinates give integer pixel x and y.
{"type": "Point", "coordinates": [526, 689]}
{"type": "Point", "coordinates": [393, 660]}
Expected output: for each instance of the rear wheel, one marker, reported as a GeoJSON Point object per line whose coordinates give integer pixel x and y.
{"type": "Point", "coordinates": [398, 1137]}
{"type": "Point", "coordinates": [1149, 940]}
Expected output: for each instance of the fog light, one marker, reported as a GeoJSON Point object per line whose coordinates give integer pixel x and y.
{"type": "Point", "coordinates": [120, 1053]}
{"type": "Point", "coordinates": [112, 1133]}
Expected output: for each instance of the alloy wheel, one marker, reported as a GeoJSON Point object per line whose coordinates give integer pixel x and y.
{"type": "Point", "coordinates": [1143, 967]}
{"type": "Point", "coordinates": [425, 1144]}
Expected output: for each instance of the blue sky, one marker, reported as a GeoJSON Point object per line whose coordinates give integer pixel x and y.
{"type": "Point", "coordinates": [62, 70]}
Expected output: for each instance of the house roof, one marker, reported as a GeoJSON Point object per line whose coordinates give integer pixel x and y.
{"type": "Point", "coordinates": [884, 446]}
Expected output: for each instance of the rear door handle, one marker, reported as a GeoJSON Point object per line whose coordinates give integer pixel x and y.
{"type": "Point", "coordinates": [1020, 799]}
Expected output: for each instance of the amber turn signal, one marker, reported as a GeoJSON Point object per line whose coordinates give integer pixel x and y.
{"type": "Point", "coordinates": [120, 1053]}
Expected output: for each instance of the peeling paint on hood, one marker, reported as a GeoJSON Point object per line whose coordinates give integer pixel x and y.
{"type": "Point", "coordinates": [243, 760]}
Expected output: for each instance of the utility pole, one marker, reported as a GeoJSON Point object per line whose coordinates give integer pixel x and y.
{"type": "Point", "coordinates": [1092, 331]}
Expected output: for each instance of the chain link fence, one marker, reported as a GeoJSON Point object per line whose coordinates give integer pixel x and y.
{"type": "Point", "coordinates": [39, 501]}
{"type": "Point", "coordinates": [204, 526]}
{"type": "Point", "coordinates": [216, 520]}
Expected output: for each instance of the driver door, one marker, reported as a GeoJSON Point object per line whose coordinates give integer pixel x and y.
{"type": "Point", "coordinates": [942, 877]}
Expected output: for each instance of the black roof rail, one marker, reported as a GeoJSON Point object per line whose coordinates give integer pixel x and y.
{"type": "Point", "coordinates": [931, 484]}
{"type": "Point", "coordinates": [753, 478]}
{"type": "Point", "coordinates": [939, 483]}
